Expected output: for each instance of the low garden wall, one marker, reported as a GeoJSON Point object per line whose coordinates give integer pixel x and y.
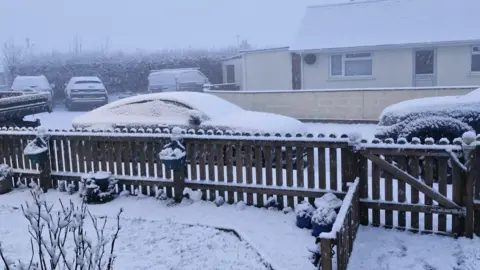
{"type": "Point", "coordinates": [334, 104]}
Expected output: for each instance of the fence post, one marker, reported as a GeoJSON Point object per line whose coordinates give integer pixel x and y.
{"type": "Point", "coordinates": [476, 189]}
{"type": "Point", "coordinates": [46, 169]}
{"type": "Point", "coordinates": [326, 254]}
{"type": "Point", "coordinates": [179, 182]}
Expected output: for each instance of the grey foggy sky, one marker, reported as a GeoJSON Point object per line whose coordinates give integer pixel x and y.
{"type": "Point", "coordinates": [150, 24]}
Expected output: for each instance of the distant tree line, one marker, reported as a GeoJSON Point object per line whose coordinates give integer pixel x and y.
{"type": "Point", "coordinates": [119, 72]}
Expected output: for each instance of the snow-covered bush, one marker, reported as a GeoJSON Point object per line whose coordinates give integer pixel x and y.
{"type": "Point", "coordinates": [219, 201]}
{"type": "Point", "coordinates": [5, 182]}
{"type": "Point", "coordinates": [272, 203]}
{"type": "Point", "coordinates": [97, 187]}
{"type": "Point", "coordinates": [5, 171]}
{"type": "Point", "coordinates": [324, 216]}
{"type": "Point", "coordinates": [53, 231]}
{"type": "Point", "coordinates": [304, 209]}
{"type": "Point", "coordinates": [194, 195]}
{"type": "Point", "coordinates": [329, 200]}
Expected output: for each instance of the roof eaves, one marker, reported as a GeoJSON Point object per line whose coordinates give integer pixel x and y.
{"type": "Point", "coordinates": [390, 46]}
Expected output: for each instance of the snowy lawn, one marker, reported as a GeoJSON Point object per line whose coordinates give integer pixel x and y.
{"type": "Point", "coordinates": [377, 248]}
{"type": "Point", "coordinates": [157, 236]}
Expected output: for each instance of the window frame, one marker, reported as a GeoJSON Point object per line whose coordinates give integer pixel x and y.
{"type": "Point", "coordinates": [352, 58]}
{"type": "Point", "coordinates": [472, 53]}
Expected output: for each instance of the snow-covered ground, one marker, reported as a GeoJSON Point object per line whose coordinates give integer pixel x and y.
{"type": "Point", "coordinates": [157, 236]}
{"type": "Point", "coordinates": [62, 119]}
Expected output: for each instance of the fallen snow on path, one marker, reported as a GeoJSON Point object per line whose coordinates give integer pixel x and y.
{"type": "Point", "coordinates": [157, 236]}
{"type": "Point", "coordinates": [381, 249]}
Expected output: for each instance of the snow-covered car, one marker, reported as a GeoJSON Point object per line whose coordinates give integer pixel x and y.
{"type": "Point", "coordinates": [436, 117]}
{"type": "Point", "coordinates": [29, 84]}
{"type": "Point", "coordinates": [86, 92]}
{"type": "Point", "coordinates": [189, 110]}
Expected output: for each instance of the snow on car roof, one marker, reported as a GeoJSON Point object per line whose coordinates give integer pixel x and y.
{"type": "Point", "coordinates": [437, 103]}
{"type": "Point", "coordinates": [387, 23]}
{"type": "Point", "coordinates": [22, 82]}
{"type": "Point", "coordinates": [85, 78]}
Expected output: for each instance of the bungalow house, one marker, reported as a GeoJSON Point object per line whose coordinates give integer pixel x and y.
{"type": "Point", "coordinates": [371, 44]}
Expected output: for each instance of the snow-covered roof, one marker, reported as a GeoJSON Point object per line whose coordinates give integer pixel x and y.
{"type": "Point", "coordinates": [387, 23]}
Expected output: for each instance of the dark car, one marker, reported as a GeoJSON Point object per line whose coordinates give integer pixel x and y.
{"type": "Point", "coordinates": [436, 117]}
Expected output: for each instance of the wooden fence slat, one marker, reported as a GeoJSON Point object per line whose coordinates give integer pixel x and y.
{"type": "Point", "coordinates": [300, 174]}
{"type": "Point", "coordinates": [267, 150]}
{"type": "Point", "coordinates": [402, 191]}
{"type": "Point", "coordinates": [202, 161]}
{"type": "Point", "coordinates": [220, 167]}
{"type": "Point", "coordinates": [211, 169]}
{"type": "Point", "coordinates": [414, 193]}
{"type": "Point", "coordinates": [193, 161]}
{"type": "Point", "coordinates": [74, 154]}
{"type": "Point", "coordinates": [388, 195]}
{"type": "Point", "coordinates": [229, 161]}
{"type": "Point", "coordinates": [239, 168]}
{"type": "Point", "coordinates": [363, 189]}
{"type": "Point", "coordinates": [88, 156]}
{"type": "Point", "coordinates": [322, 181]}
{"type": "Point", "coordinates": [311, 171]}
{"type": "Point", "coordinates": [289, 165]}
{"type": "Point", "coordinates": [442, 188]}
{"type": "Point", "coordinates": [279, 174]}
{"type": "Point", "coordinates": [457, 190]}
{"type": "Point", "coordinates": [82, 157]}
{"type": "Point", "coordinates": [333, 169]}
{"type": "Point", "coordinates": [249, 172]}
{"type": "Point", "coordinates": [428, 168]}
{"type": "Point", "coordinates": [142, 154]}
{"type": "Point", "coordinates": [259, 173]}
{"type": "Point", "coordinates": [96, 155]}
{"type": "Point", "coordinates": [375, 192]}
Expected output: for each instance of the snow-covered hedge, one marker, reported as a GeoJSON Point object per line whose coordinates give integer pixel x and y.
{"type": "Point", "coordinates": [5, 171]}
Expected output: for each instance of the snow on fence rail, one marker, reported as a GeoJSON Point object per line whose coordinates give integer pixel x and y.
{"type": "Point", "coordinates": [259, 168]}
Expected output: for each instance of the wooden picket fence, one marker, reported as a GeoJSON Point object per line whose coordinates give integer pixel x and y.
{"type": "Point", "coordinates": [411, 186]}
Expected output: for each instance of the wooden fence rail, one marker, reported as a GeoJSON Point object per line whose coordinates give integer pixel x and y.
{"type": "Point", "coordinates": [409, 186]}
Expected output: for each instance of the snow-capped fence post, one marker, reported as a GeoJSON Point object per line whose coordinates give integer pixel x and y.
{"type": "Point", "coordinates": [471, 151]}
{"type": "Point", "coordinates": [476, 188]}
{"type": "Point", "coordinates": [38, 151]}
{"type": "Point", "coordinates": [173, 156]}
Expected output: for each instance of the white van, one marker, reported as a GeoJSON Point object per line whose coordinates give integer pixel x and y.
{"type": "Point", "coordinates": [31, 84]}
{"type": "Point", "coordinates": [181, 79]}
{"type": "Point", "coordinates": [85, 91]}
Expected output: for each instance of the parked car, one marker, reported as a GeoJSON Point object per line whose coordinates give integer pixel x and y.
{"type": "Point", "coordinates": [189, 110]}
{"type": "Point", "coordinates": [85, 92]}
{"type": "Point", "coordinates": [30, 84]}
{"type": "Point", "coordinates": [436, 117]}
{"type": "Point", "coordinates": [183, 79]}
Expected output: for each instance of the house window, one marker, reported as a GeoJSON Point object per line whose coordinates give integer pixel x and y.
{"type": "Point", "coordinates": [476, 59]}
{"type": "Point", "coordinates": [230, 73]}
{"type": "Point", "coordinates": [351, 64]}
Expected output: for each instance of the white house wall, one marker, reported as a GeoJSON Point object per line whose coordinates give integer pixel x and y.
{"type": "Point", "coordinates": [391, 68]}
{"type": "Point", "coordinates": [268, 70]}
{"type": "Point", "coordinates": [238, 70]}
{"type": "Point", "coordinates": [454, 65]}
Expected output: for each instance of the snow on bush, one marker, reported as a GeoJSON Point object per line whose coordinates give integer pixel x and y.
{"type": "Point", "coordinates": [194, 195]}
{"type": "Point", "coordinates": [97, 187]}
{"type": "Point", "coordinates": [219, 201]}
{"type": "Point", "coordinates": [5, 171]}
{"type": "Point", "coordinates": [469, 137]}
{"type": "Point", "coordinates": [53, 231]}
{"type": "Point", "coordinates": [329, 200]}
{"type": "Point", "coordinates": [304, 209]}
{"type": "Point", "coordinates": [324, 216]}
